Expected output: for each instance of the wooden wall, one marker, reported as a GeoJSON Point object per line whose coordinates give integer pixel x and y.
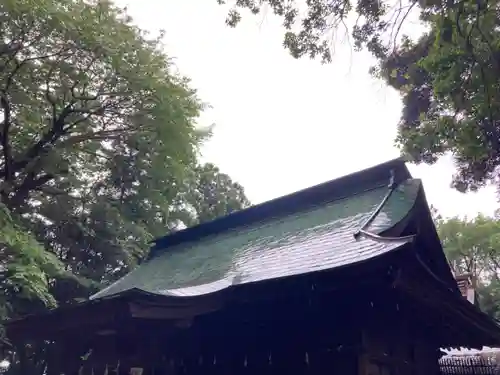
{"type": "Point", "coordinates": [355, 330]}
{"type": "Point", "coordinates": [299, 338]}
{"type": "Point", "coordinates": [397, 351]}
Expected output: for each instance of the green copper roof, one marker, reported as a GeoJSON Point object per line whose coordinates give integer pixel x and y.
{"type": "Point", "coordinates": [310, 240]}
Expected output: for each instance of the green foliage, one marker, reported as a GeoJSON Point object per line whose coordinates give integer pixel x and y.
{"type": "Point", "coordinates": [25, 267]}
{"type": "Point", "coordinates": [489, 298]}
{"type": "Point", "coordinates": [473, 246]}
{"type": "Point", "coordinates": [213, 194]}
{"type": "Point", "coordinates": [449, 83]}
{"type": "Point", "coordinates": [310, 27]}
{"type": "Point", "coordinates": [98, 151]}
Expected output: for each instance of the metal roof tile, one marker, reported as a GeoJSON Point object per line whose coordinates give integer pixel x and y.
{"type": "Point", "coordinates": [317, 239]}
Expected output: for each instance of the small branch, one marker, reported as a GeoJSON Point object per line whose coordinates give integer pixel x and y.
{"type": "Point", "coordinates": [93, 136]}
{"type": "Point", "coordinates": [95, 154]}
{"type": "Point", "coordinates": [402, 21]}
{"type": "Point", "coordinates": [51, 190]}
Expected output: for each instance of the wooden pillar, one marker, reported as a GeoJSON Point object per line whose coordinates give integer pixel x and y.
{"type": "Point", "coordinates": [426, 358]}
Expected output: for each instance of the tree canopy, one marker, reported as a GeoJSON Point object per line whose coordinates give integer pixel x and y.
{"type": "Point", "coordinates": [448, 81]}
{"type": "Point", "coordinates": [473, 246]}
{"type": "Point", "coordinates": [99, 151]}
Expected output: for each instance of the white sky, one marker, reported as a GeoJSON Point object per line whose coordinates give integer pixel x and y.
{"type": "Point", "coordinates": [283, 124]}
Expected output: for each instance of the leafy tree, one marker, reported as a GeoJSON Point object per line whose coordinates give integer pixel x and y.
{"type": "Point", "coordinates": [213, 194]}
{"type": "Point", "coordinates": [98, 154]}
{"type": "Point", "coordinates": [448, 81]}
{"type": "Point", "coordinates": [489, 298]}
{"type": "Point", "coordinates": [98, 151]}
{"type": "Point", "coordinates": [76, 80]}
{"type": "Point", "coordinates": [473, 246]}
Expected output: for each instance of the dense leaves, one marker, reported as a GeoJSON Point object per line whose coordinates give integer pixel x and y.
{"type": "Point", "coordinates": [449, 83]}
{"type": "Point", "coordinates": [98, 151]}
{"type": "Point", "coordinates": [213, 194]}
{"type": "Point", "coordinates": [473, 246]}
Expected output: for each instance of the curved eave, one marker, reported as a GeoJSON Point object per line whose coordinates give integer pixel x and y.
{"type": "Point", "coordinates": [471, 327]}
{"type": "Point", "coordinates": [430, 247]}
{"type": "Point", "coordinates": [92, 315]}
{"type": "Point", "coordinates": [472, 314]}
{"type": "Point", "coordinates": [486, 327]}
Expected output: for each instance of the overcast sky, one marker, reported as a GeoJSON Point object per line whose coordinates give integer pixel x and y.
{"type": "Point", "coordinates": [281, 124]}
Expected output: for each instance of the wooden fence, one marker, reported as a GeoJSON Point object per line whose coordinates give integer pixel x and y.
{"type": "Point", "coordinates": [468, 365]}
